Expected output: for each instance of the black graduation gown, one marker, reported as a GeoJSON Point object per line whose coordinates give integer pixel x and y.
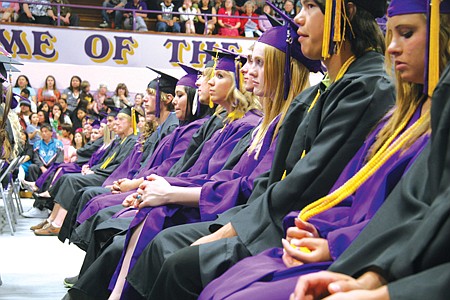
{"type": "Point", "coordinates": [85, 152]}
{"type": "Point", "coordinates": [407, 240]}
{"type": "Point", "coordinates": [196, 145]}
{"type": "Point", "coordinates": [330, 133]}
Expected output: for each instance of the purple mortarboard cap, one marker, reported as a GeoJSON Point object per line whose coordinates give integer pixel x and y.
{"type": "Point", "coordinates": [229, 61]}
{"type": "Point", "coordinates": [403, 7]}
{"type": "Point", "coordinates": [190, 78]}
{"type": "Point", "coordinates": [104, 121]}
{"type": "Point", "coordinates": [95, 124]}
{"type": "Point", "coordinates": [163, 83]}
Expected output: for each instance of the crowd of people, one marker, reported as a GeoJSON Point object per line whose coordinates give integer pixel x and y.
{"type": "Point", "coordinates": [246, 182]}
{"type": "Point", "coordinates": [223, 17]}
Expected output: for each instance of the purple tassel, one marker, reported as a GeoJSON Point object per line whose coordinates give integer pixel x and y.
{"type": "Point", "coordinates": [158, 99]}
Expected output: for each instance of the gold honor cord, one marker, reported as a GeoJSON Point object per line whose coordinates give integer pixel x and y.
{"type": "Point", "coordinates": [109, 159]}
{"type": "Point", "coordinates": [340, 74]}
{"type": "Point", "coordinates": [388, 149]}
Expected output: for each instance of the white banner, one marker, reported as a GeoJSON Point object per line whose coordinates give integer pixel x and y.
{"type": "Point", "coordinates": [107, 48]}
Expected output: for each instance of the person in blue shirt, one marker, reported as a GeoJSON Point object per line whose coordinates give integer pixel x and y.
{"type": "Point", "coordinates": [46, 152]}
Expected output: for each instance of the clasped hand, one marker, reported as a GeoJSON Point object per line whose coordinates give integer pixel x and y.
{"type": "Point", "coordinates": [305, 235]}
{"type": "Point", "coordinates": [155, 191]}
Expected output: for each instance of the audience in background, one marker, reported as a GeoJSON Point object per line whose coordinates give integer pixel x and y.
{"type": "Point", "coordinates": [66, 16]}
{"type": "Point", "coordinates": [227, 24]}
{"type": "Point", "coordinates": [206, 7]}
{"type": "Point", "coordinates": [49, 93]}
{"type": "Point", "coordinates": [167, 22]}
{"type": "Point", "coordinates": [107, 13]}
{"type": "Point", "coordinates": [138, 16]}
{"type": "Point", "coordinates": [9, 12]}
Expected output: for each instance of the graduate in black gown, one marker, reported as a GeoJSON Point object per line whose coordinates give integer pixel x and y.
{"type": "Point", "coordinates": [310, 155]}
{"type": "Point", "coordinates": [403, 252]}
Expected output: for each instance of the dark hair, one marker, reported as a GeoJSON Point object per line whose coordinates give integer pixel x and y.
{"type": "Point", "coordinates": [67, 127]}
{"type": "Point", "coordinates": [70, 85]}
{"type": "Point", "coordinates": [61, 116]}
{"type": "Point", "coordinates": [64, 99]}
{"type": "Point", "coordinates": [17, 81]}
{"type": "Point", "coordinates": [41, 106]}
{"type": "Point", "coordinates": [46, 125]}
{"type": "Point", "coordinates": [367, 33]}
{"type": "Point", "coordinates": [46, 119]}
{"type": "Point", "coordinates": [25, 91]}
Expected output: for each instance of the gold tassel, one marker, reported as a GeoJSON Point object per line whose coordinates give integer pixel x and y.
{"type": "Point", "coordinates": [337, 22]}
{"type": "Point", "coordinates": [327, 28]}
{"type": "Point", "coordinates": [133, 120]}
{"type": "Point", "coordinates": [433, 51]}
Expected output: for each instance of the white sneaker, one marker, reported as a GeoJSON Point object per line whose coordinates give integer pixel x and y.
{"type": "Point", "coordinates": [35, 212]}
{"type": "Point", "coordinates": [104, 25]}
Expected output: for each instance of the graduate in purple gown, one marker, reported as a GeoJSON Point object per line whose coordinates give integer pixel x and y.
{"type": "Point", "coordinates": [274, 273]}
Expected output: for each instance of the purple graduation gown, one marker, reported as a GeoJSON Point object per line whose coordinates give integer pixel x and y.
{"type": "Point", "coordinates": [220, 192]}
{"type": "Point", "coordinates": [168, 151]}
{"type": "Point", "coordinates": [69, 167]}
{"type": "Point", "coordinates": [265, 276]}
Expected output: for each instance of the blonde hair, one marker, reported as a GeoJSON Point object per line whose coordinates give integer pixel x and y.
{"type": "Point", "coordinates": [240, 103]}
{"type": "Point", "coordinates": [409, 96]}
{"type": "Point", "coordinates": [274, 103]}
{"type": "Point", "coordinates": [107, 136]}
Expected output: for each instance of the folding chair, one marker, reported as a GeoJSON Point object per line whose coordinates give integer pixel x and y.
{"type": "Point", "coordinates": [6, 193]}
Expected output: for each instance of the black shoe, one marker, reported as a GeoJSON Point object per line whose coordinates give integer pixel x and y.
{"type": "Point", "coordinates": [69, 282]}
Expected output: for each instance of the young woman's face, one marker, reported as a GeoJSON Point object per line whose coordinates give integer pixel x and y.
{"type": "Point", "coordinates": [256, 71]}
{"type": "Point", "coordinates": [228, 4]}
{"type": "Point", "coordinates": [95, 134]}
{"type": "Point", "coordinates": [34, 118]}
{"type": "Point", "coordinates": [102, 90]}
{"type": "Point", "coordinates": [22, 81]}
{"type": "Point", "coordinates": [220, 86]}
{"type": "Point", "coordinates": [205, 2]}
{"type": "Point", "coordinates": [202, 89]}
{"type": "Point", "coordinates": [180, 102]}
{"type": "Point", "coordinates": [81, 114]}
{"type": "Point", "coordinates": [41, 117]}
{"type": "Point", "coordinates": [141, 123]}
{"type": "Point", "coordinates": [56, 110]}
{"type": "Point", "coordinates": [138, 100]}
{"type": "Point", "coordinates": [266, 9]}
{"type": "Point", "coordinates": [75, 82]}
{"type": "Point", "coordinates": [121, 91]}
{"type": "Point", "coordinates": [407, 47]}
{"type": "Point", "coordinates": [23, 135]}
{"type": "Point", "coordinates": [248, 83]}
{"type": "Point", "coordinates": [78, 138]}
{"type": "Point", "coordinates": [50, 82]}
{"type": "Point", "coordinates": [45, 107]}
{"type": "Point", "coordinates": [310, 31]}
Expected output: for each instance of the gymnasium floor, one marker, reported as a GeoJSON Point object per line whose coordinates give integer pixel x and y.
{"type": "Point", "coordinates": [34, 267]}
